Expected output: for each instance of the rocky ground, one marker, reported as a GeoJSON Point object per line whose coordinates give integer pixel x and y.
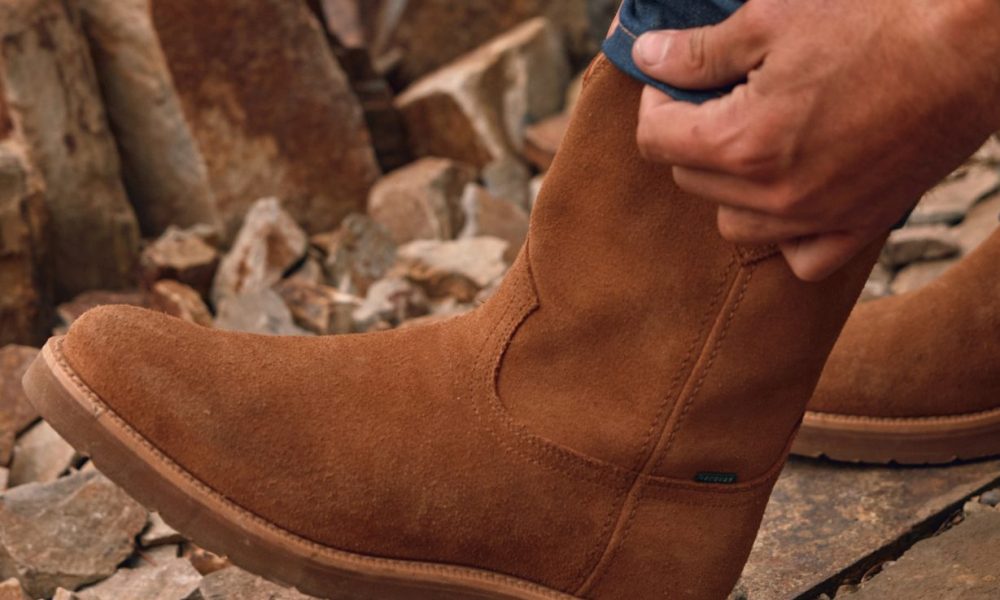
{"type": "Point", "coordinates": [324, 167]}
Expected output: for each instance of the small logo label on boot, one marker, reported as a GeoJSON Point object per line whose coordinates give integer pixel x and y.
{"type": "Point", "coordinates": [711, 477]}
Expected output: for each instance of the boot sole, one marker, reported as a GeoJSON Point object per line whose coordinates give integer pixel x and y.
{"type": "Point", "coordinates": [220, 526]}
{"type": "Point", "coordinates": [918, 441]}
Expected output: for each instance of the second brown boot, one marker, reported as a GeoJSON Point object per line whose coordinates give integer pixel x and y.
{"type": "Point", "coordinates": [609, 425]}
{"type": "Point", "coordinates": [915, 378]}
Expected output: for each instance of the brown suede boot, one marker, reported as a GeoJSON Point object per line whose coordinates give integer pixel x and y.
{"type": "Point", "coordinates": [915, 378]}
{"type": "Point", "coordinates": [609, 425]}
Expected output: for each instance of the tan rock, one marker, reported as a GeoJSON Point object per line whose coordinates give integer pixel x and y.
{"type": "Point", "coordinates": [389, 302]}
{"type": "Point", "coordinates": [979, 224]}
{"type": "Point", "coordinates": [476, 108]}
{"type": "Point", "coordinates": [170, 579]}
{"type": "Point", "coordinates": [40, 456]}
{"type": "Point", "coordinates": [16, 413]}
{"type": "Point", "coordinates": [542, 140]}
{"type": "Point", "coordinates": [50, 87]}
{"type": "Point", "coordinates": [919, 274]}
{"type": "Point", "coordinates": [236, 584]}
{"type": "Point", "coordinates": [71, 311]}
{"type": "Point", "coordinates": [318, 308]}
{"type": "Point", "coordinates": [951, 200]}
{"type": "Point", "coordinates": [509, 179]}
{"type": "Point", "coordinates": [11, 590]}
{"type": "Point", "coordinates": [25, 260]}
{"type": "Point", "coordinates": [269, 243]}
{"type": "Point", "coordinates": [486, 215]}
{"type": "Point", "coordinates": [206, 562]}
{"type": "Point", "coordinates": [421, 200]}
{"type": "Point", "coordinates": [64, 594]}
{"type": "Point", "coordinates": [73, 531]}
{"type": "Point", "coordinates": [263, 312]}
{"type": "Point", "coordinates": [362, 251]}
{"type": "Point", "coordinates": [179, 300]}
{"type": "Point", "coordinates": [417, 37]}
{"type": "Point", "coordinates": [459, 268]}
{"type": "Point", "coordinates": [181, 255]}
{"type": "Point", "coordinates": [271, 110]}
{"type": "Point", "coordinates": [162, 167]}
{"type": "Point", "coordinates": [920, 242]}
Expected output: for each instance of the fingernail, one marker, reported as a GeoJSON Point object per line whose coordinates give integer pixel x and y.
{"type": "Point", "coordinates": [652, 47]}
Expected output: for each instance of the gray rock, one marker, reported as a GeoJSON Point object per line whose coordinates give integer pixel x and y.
{"type": "Point", "coordinates": [991, 498]}
{"type": "Point", "coordinates": [961, 563]}
{"type": "Point", "coordinates": [488, 215]}
{"type": "Point", "coordinates": [459, 268]}
{"type": "Point", "coordinates": [40, 455]}
{"type": "Point", "coordinates": [163, 169]}
{"type": "Point", "coordinates": [67, 533]}
{"type": "Point", "coordinates": [919, 243]}
{"type": "Point", "coordinates": [362, 251]}
{"type": "Point", "coordinates": [158, 533]}
{"type": "Point", "coordinates": [269, 243]}
{"type": "Point", "coordinates": [318, 308]}
{"type": "Point", "coordinates": [26, 269]}
{"type": "Point", "coordinates": [917, 275]}
{"type": "Point", "coordinates": [48, 79]}
{"type": "Point", "coordinates": [390, 301]}
{"type": "Point", "coordinates": [421, 201]}
{"type": "Point", "coordinates": [950, 201]}
{"type": "Point", "coordinates": [263, 312]}
{"type": "Point", "coordinates": [173, 579]}
{"type": "Point", "coordinates": [233, 583]}
{"type": "Point", "coordinates": [181, 301]}
{"type": "Point", "coordinates": [16, 413]}
{"type": "Point", "coordinates": [508, 179]}
{"type": "Point", "coordinates": [476, 108]}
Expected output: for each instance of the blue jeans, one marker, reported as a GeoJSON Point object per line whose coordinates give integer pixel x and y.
{"type": "Point", "coordinates": [640, 16]}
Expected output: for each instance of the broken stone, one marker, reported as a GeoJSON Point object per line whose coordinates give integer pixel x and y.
{"type": "Point", "coordinates": [991, 498]}
{"type": "Point", "coordinates": [262, 312]}
{"type": "Point", "coordinates": [508, 179]}
{"type": "Point", "coordinates": [390, 301]}
{"type": "Point", "coordinates": [475, 109]}
{"type": "Point", "coordinates": [419, 37]}
{"type": "Point", "coordinates": [422, 200]}
{"type": "Point", "coordinates": [236, 584]}
{"type": "Point", "coordinates": [158, 533]}
{"type": "Point", "coordinates": [311, 270]}
{"type": "Point", "coordinates": [979, 224]}
{"type": "Point", "coordinates": [362, 251]}
{"type": "Point", "coordinates": [49, 83]}
{"type": "Point", "coordinates": [917, 275]}
{"type": "Point", "coordinates": [40, 455]}
{"type": "Point", "coordinates": [457, 268]}
{"type": "Point", "coordinates": [268, 245]}
{"type": "Point", "coordinates": [72, 310]}
{"type": "Point", "coordinates": [486, 215]}
{"type": "Point", "coordinates": [67, 533]}
{"type": "Point", "coordinates": [271, 110]}
{"type": "Point", "coordinates": [542, 140]}
{"type": "Point", "coordinates": [16, 413]}
{"type": "Point", "coordinates": [962, 563]}
{"type": "Point", "coordinates": [26, 269]}
{"type": "Point", "coordinates": [181, 301]}
{"type": "Point", "coordinates": [206, 562]}
{"type": "Point", "coordinates": [11, 590]}
{"type": "Point", "coordinates": [64, 594]}
{"type": "Point", "coordinates": [827, 523]}
{"type": "Point", "coordinates": [919, 243]}
{"type": "Point", "coordinates": [317, 308]}
{"type": "Point", "coordinates": [163, 170]}
{"type": "Point", "coordinates": [183, 256]}
{"type": "Point", "coordinates": [949, 202]}
{"type": "Point", "coordinates": [879, 284]}
{"type": "Point", "coordinates": [168, 580]}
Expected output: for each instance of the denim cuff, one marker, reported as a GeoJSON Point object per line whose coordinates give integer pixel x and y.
{"type": "Point", "coordinates": [639, 16]}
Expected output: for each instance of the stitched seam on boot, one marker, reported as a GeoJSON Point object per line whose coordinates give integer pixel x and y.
{"type": "Point", "coordinates": [653, 463]}
{"type": "Point", "coordinates": [344, 555]}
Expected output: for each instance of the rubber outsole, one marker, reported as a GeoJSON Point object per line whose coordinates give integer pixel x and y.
{"type": "Point", "coordinates": [219, 525]}
{"type": "Point", "coordinates": [917, 441]}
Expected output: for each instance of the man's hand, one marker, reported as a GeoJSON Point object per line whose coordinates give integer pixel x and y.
{"type": "Point", "coordinates": [850, 111]}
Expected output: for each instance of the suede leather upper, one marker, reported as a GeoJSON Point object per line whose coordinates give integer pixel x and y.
{"type": "Point", "coordinates": [555, 433]}
{"type": "Point", "coordinates": [929, 353]}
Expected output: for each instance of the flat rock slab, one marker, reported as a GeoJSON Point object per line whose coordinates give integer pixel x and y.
{"type": "Point", "coordinates": [961, 563]}
{"type": "Point", "coordinates": [828, 522]}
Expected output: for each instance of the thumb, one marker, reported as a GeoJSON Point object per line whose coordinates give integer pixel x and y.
{"type": "Point", "coordinates": [703, 57]}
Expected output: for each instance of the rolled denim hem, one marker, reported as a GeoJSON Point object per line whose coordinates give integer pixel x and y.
{"type": "Point", "coordinates": [639, 16]}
